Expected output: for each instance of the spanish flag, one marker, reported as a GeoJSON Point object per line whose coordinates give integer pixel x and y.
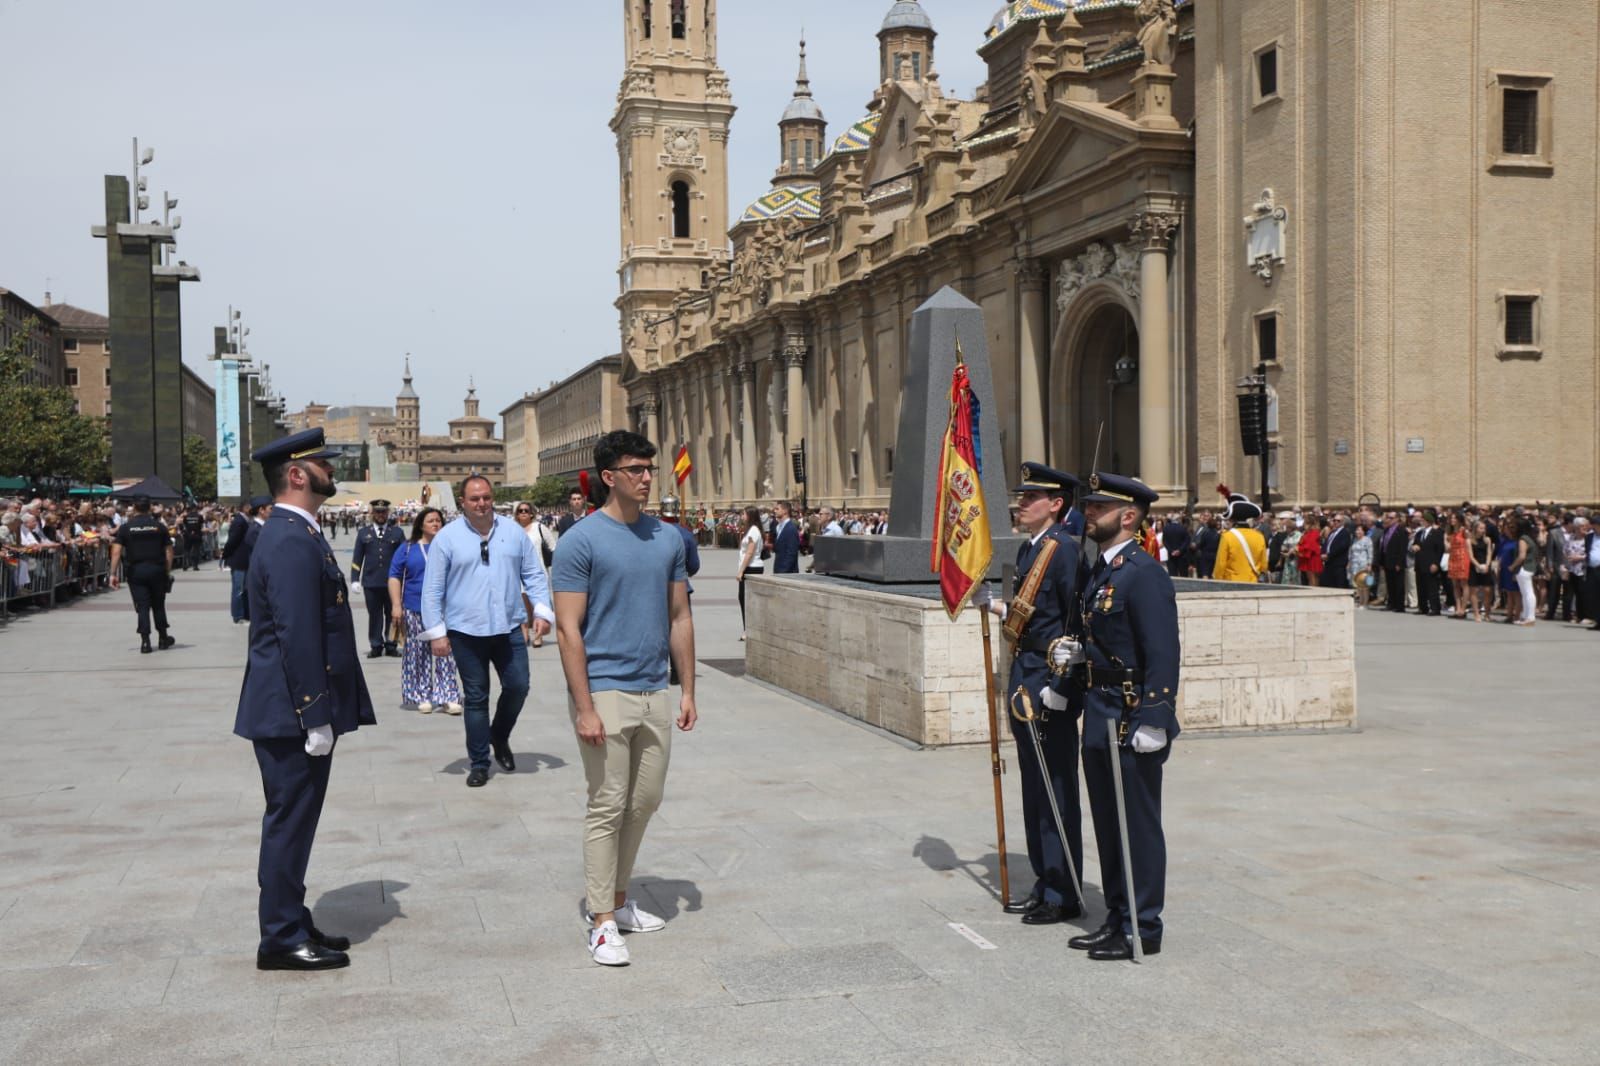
{"type": "Point", "coordinates": [962, 547]}
{"type": "Point", "coordinates": [681, 466]}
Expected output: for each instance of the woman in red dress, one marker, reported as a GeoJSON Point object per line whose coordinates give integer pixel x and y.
{"type": "Point", "coordinates": [1309, 552]}
{"type": "Point", "coordinates": [1460, 561]}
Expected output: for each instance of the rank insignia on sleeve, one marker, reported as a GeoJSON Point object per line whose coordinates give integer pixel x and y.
{"type": "Point", "coordinates": [1116, 563]}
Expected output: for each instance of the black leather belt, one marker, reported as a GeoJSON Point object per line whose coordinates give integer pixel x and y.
{"type": "Point", "coordinates": [1038, 644]}
{"type": "Point", "coordinates": [1092, 676]}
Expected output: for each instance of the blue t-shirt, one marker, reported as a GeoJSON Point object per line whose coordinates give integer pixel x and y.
{"type": "Point", "coordinates": [627, 572]}
{"type": "Point", "coordinates": [408, 566]}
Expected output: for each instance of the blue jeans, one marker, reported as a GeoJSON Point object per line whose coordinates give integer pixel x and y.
{"type": "Point", "coordinates": [239, 604]}
{"type": "Point", "coordinates": [474, 655]}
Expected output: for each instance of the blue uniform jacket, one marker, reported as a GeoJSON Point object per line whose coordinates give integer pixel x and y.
{"type": "Point", "coordinates": [1055, 614]}
{"type": "Point", "coordinates": [786, 549]}
{"type": "Point", "coordinates": [236, 551]}
{"type": "Point", "coordinates": [691, 553]}
{"type": "Point", "coordinates": [302, 671]}
{"type": "Point", "coordinates": [373, 553]}
{"type": "Point", "coordinates": [1130, 620]}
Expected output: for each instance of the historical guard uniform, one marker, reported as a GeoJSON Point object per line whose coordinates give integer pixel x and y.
{"type": "Point", "coordinates": [302, 689]}
{"type": "Point", "coordinates": [144, 544]}
{"type": "Point", "coordinates": [369, 568]}
{"type": "Point", "coordinates": [1130, 679]}
{"type": "Point", "coordinates": [1043, 608]}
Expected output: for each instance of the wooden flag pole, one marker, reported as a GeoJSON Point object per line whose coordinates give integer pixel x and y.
{"type": "Point", "coordinates": [997, 767]}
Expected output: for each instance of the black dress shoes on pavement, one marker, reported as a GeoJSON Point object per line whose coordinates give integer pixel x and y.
{"type": "Point", "coordinates": [477, 778]}
{"type": "Point", "coordinates": [336, 943]}
{"type": "Point", "coordinates": [1023, 906]}
{"type": "Point", "coordinates": [392, 651]}
{"type": "Point", "coordinates": [307, 956]}
{"type": "Point", "coordinates": [1121, 947]}
{"type": "Point", "coordinates": [144, 646]}
{"type": "Point", "coordinates": [1051, 914]}
{"type": "Point", "coordinates": [166, 642]}
{"type": "Point", "coordinates": [1094, 939]}
{"type": "Point", "coordinates": [375, 653]}
{"type": "Point", "coordinates": [503, 756]}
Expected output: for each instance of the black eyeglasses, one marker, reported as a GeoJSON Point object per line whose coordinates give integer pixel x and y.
{"type": "Point", "coordinates": [636, 470]}
{"type": "Point", "coordinates": [483, 550]}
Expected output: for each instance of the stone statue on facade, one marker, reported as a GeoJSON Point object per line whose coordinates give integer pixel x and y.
{"type": "Point", "coordinates": [1158, 30]}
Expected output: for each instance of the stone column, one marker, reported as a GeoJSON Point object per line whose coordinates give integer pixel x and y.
{"type": "Point", "coordinates": [777, 429]}
{"type": "Point", "coordinates": [651, 406]}
{"type": "Point", "coordinates": [1032, 353]}
{"type": "Point", "coordinates": [749, 467]}
{"type": "Point", "coordinates": [794, 362]}
{"type": "Point", "coordinates": [1153, 230]}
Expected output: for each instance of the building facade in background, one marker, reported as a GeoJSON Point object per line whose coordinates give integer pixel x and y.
{"type": "Point", "coordinates": [44, 344]}
{"type": "Point", "coordinates": [520, 422]}
{"type": "Point", "coordinates": [469, 448]}
{"type": "Point", "coordinates": [1385, 206]}
{"type": "Point", "coordinates": [86, 350]}
{"type": "Point", "coordinates": [574, 413]}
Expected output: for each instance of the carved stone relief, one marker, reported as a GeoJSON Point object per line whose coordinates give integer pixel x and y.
{"type": "Point", "coordinates": [1118, 264]}
{"type": "Point", "coordinates": [680, 144]}
{"type": "Point", "coordinates": [1265, 236]}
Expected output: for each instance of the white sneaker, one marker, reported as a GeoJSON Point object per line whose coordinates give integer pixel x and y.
{"type": "Point", "coordinates": [452, 708]}
{"type": "Point", "coordinates": [425, 708]}
{"type": "Point", "coordinates": [632, 918]}
{"type": "Point", "coordinates": [607, 947]}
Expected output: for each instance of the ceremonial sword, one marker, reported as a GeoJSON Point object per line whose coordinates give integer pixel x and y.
{"type": "Point", "coordinates": [1122, 827]}
{"type": "Point", "coordinates": [1031, 719]}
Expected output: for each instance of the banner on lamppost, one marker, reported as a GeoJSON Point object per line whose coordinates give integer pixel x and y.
{"type": "Point", "coordinates": [229, 460]}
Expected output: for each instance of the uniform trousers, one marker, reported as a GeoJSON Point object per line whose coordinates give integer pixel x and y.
{"type": "Point", "coordinates": [147, 583]}
{"type": "Point", "coordinates": [1059, 739]}
{"type": "Point", "coordinates": [239, 603]}
{"type": "Point", "coordinates": [627, 776]}
{"type": "Point", "coordinates": [377, 618]}
{"type": "Point", "coordinates": [1141, 779]}
{"type": "Point", "coordinates": [295, 785]}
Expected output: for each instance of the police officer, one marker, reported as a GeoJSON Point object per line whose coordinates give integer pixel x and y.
{"type": "Point", "coordinates": [369, 567]}
{"type": "Point", "coordinates": [146, 543]}
{"type": "Point", "coordinates": [1129, 678]}
{"type": "Point", "coordinates": [302, 689]}
{"type": "Point", "coordinates": [1043, 608]}
{"type": "Point", "coordinates": [193, 527]}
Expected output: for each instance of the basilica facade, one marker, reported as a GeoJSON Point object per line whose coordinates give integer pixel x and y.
{"type": "Point", "coordinates": [1154, 203]}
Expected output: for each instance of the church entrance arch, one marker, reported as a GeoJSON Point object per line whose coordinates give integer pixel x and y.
{"type": "Point", "coordinates": [1094, 381]}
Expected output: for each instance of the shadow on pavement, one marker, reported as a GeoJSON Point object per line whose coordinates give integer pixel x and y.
{"type": "Point", "coordinates": [527, 763]}
{"type": "Point", "coordinates": [359, 910]}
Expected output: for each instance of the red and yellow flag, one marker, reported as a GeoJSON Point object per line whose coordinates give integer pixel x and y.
{"type": "Point", "coordinates": [681, 466]}
{"type": "Point", "coordinates": [962, 546]}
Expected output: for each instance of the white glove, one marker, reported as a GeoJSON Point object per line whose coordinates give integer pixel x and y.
{"type": "Point", "coordinates": [319, 740]}
{"type": "Point", "coordinates": [997, 607]}
{"type": "Point", "coordinates": [1148, 738]}
{"type": "Point", "coordinates": [1052, 699]}
{"type": "Point", "coordinates": [1065, 653]}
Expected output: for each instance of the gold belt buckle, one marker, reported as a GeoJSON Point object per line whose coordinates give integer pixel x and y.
{"type": "Point", "coordinates": [1130, 696]}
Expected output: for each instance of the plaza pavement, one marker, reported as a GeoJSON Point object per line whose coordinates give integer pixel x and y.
{"type": "Point", "coordinates": [1423, 891]}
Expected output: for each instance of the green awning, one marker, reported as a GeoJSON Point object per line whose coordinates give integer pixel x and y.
{"type": "Point", "coordinates": [90, 490]}
{"type": "Point", "coordinates": [12, 484]}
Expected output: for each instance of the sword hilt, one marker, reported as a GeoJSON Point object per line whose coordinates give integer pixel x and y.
{"type": "Point", "coordinates": [1026, 714]}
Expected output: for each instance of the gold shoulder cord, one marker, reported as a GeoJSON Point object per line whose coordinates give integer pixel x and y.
{"type": "Point", "coordinates": [1021, 611]}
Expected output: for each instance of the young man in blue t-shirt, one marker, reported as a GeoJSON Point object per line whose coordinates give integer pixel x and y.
{"type": "Point", "coordinates": [622, 607]}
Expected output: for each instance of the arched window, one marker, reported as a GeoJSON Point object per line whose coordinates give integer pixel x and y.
{"type": "Point", "coordinates": [680, 20]}
{"type": "Point", "coordinates": [680, 210]}
{"type": "Point", "coordinates": [645, 6]}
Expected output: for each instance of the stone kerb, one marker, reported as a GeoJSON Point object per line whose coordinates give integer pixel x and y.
{"type": "Point", "coordinates": [1254, 660]}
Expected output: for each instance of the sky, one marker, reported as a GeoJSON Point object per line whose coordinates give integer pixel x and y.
{"type": "Point", "coordinates": [364, 179]}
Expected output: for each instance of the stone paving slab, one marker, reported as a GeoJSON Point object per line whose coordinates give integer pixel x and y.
{"type": "Point", "coordinates": [1421, 891]}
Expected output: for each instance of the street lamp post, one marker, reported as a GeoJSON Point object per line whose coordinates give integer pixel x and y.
{"type": "Point", "coordinates": [1122, 373]}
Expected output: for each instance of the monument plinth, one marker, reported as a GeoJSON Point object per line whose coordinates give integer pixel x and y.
{"type": "Point", "coordinates": [946, 323]}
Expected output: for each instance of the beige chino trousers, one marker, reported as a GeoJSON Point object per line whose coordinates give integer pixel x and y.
{"type": "Point", "coordinates": [626, 776]}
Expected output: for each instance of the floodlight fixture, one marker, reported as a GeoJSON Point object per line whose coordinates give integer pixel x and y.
{"type": "Point", "coordinates": [148, 157]}
{"type": "Point", "coordinates": [144, 203]}
{"type": "Point", "coordinates": [177, 221]}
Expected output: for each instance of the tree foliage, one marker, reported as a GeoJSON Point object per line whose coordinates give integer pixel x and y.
{"type": "Point", "coordinates": [41, 436]}
{"type": "Point", "coordinates": [546, 493]}
{"type": "Point", "coordinates": [199, 467]}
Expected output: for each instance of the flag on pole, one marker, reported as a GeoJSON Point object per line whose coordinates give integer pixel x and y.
{"type": "Point", "coordinates": [962, 546]}
{"type": "Point", "coordinates": [681, 466]}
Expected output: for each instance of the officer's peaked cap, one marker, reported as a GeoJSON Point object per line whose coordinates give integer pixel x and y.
{"type": "Point", "coordinates": [1114, 488]}
{"type": "Point", "coordinates": [307, 444]}
{"type": "Point", "coordinates": [1036, 477]}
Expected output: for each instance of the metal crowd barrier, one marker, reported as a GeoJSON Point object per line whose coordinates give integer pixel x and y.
{"type": "Point", "coordinates": [42, 575]}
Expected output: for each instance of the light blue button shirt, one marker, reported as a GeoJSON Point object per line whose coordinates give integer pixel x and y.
{"type": "Point", "coordinates": [461, 593]}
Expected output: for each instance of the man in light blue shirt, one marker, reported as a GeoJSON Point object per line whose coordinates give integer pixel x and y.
{"type": "Point", "coordinates": [479, 569]}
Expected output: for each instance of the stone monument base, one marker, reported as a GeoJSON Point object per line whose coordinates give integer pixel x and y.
{"type": "Point", "coordinates": [1256, 658]}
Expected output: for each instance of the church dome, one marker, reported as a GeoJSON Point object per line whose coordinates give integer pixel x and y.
{"type": "Point", "coordinates": [906, 15]}
{"type": "Point", "coordinates": [790, 201]}
{"type": "Point", "coordinates": [802, 107]}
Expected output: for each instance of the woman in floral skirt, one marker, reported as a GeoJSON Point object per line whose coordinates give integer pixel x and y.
{"type": "Point", "coordinates": [427, 680]}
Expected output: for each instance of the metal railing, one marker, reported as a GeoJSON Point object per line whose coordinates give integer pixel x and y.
{"type": "Point", "coordinates": [42, 575]}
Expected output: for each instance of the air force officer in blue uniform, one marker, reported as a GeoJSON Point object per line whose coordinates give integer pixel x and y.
{"type": "Point", "coordinates": [1044, 501]}
{"type": "Point", "coordinates": [1129, 678]}
{"type": "Point", "coordinates": [302, 689]}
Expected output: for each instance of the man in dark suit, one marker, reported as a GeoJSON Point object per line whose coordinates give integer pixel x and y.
{"type": "Point", "coordinates": [785, 541]}
{"type": "Point", "coordinates": [1429, 565]}
{"type": "Point", "coordinates": [1591, 577]}
{"type": "Point", "coordinates": [236, 555]}
{"type": "Point", "coordinates": [1206, 539]}
{"type": "Point", "coordinates": [1336, 553]}
{"type": "Point", "coordinates": [1393, 546]}
{"type": "Point", "coordinates": [1175, 538]}
{"type": "Point", "coordinates": [369, 567]}
{"type": "Point", "coordinates": [302, 689]}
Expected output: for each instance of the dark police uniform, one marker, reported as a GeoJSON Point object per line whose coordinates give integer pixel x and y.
{"type": "Point", "coordinates": [145, 540]}
{"type": "Point", "coordinates": [193, 525]}
{"type": "Point", "coordinates": [369, 564]}
{"type": "Point", "coordinates": [1130, 636]}
{"type": "Point", "coordinates": [1055, 615]}
{"type": "Point", "coordinates": [303, 672]}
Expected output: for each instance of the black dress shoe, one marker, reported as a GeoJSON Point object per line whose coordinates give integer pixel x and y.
{"type": "Point", "coordinates": [375, 653]}
{"type": "Point", "coordinates": [1093, 940]}
{"type": "Point", "coordinates": [166, 642]}
{"type": "Point", "coordinates": [1051, 914]}
{"type": "Point", "coordinates": [477, 778]}
{"type": "Point", "coordinates": [144, 646]}
{"type": "Point", "coordinates": [1121, 947]}
{"type": "Point", "coordinates": [391, 651]}
{"type": "Point", "coordinates": [336, 943]}
{"type": "Point", "coordinates": [1024, 906]}
{"type": "Point", "coordinates": [503, 756]}
{"type": "Point", "coordinates": [308, 956]}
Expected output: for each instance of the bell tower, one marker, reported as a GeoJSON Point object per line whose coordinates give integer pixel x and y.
{"type": "Point", "coordinates": [671, 125]}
